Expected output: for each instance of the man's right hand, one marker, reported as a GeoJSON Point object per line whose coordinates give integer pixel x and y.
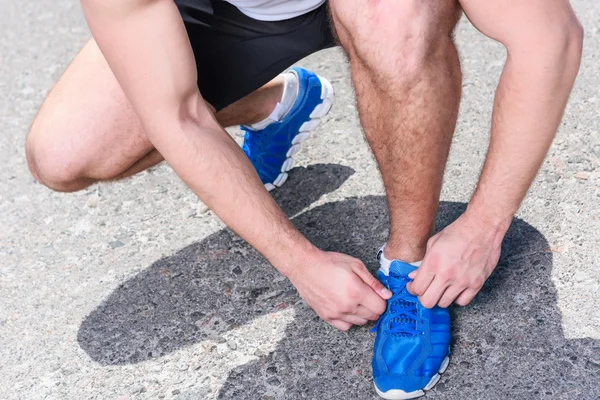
{"type": "Point", "coordinates": [340, 289]}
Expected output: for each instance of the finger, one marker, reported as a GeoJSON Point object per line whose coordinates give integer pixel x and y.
{"type": "Point", "coordinates": [339, 324]}
{"type": "Point", "coordinates": [365, 313]}
{"type": "Point", "coordinates": [423, 278]}
{"type": "Point", "coordinates": [354, 319]}
{"type": "Point", "coordinates": [368, 278]}
{"type": "Point", "coordinates": [434, 292]}
{"type": "Point", "coordinates": [372, 302]}
{"type": "Point", "coordinates": [450, 295]}
{"type": "Point", "coordinates": [466, 297]}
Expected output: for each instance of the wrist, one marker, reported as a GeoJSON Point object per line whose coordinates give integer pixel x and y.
{"type": "Point", "coordinates": [488, 220]}
{"type": "Point", "coordinates": [289, 260]}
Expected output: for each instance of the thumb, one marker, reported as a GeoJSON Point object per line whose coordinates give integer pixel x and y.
{"type": "Point", "coordinates": [364, 274]}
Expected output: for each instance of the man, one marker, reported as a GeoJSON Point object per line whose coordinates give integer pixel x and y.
{"type": "Point", "coordinates": [150, 87]}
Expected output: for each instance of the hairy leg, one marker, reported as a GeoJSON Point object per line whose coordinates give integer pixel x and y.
{"type": "Point", "coordinates": [406, 73]}
{"type": "Point", "coordinates": [253, 108]}
{"type": "Point", "coordinates": [86, 130]}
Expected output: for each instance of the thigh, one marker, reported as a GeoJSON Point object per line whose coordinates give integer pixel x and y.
{"type": "Point", "coordinates": [86, 123]}
{"type": "Point", "coordinates": [236, 54]}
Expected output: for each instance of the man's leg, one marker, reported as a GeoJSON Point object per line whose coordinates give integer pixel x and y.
{"type": "Point", "coordinates": [253, 108]}
{"type": "Point", "coordinates": [407, 77]}
{"type": "Point", "coordinates": [406, 72]}
{"type": "Point", "coordinates": [86, 130]}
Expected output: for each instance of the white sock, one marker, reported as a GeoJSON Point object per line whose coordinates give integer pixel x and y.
{"type": "Point", "coordinates": [384, 263]}
{"type": "Point", "coordinates": [288, 98]}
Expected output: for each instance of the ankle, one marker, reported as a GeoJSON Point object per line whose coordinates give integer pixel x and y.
{"type": "Point", "coordinates": [282, 94]}
{"type": "Point", "coordinates": [274, 96]}
{"type": "Point", "coordinates": [407, 254]}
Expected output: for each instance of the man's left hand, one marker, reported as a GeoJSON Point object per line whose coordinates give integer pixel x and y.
{"type": "Point", "coordinates": [458, 261]}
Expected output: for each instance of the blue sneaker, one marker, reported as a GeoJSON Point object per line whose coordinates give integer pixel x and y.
{"type": "Point", "coordinates": [412, 344]}
{"type": "Point", "coordinates": [271, 150]}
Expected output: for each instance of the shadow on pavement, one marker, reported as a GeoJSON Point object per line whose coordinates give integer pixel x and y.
{"type": "Point", "coordinates": [507, 344]}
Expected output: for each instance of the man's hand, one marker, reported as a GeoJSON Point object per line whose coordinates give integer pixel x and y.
{"type": "Point", "coordinates": [340, 290]}
{"type": "Point", "coordinates": [458, 261]}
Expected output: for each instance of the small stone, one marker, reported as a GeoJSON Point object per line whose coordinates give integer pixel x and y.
{"type": "Point", "coordinates": [554, 249]}
{"type": "Point", "coordinates": [115, 244]}
{"type": "Point", "coordinates": [237, 271]}
{"type": "Point", "coordinates": [183, 367]}
{"type": "Point", "coordinates": [138, 390]}
{"type": "Point", "coordinates": [176, 391]}
{"type": "Point", "coordinates": [272, 369]}
{"type": "Point", "coordinates": [220, 339]}
{"type": "Point", "coordinates": [232, 345]}
{"type": "Point", "coordinates": [256, 292]}
{"type": "Point", "coordinates": [273, 381]}
{"type": "Point", "coordinates": [576, 159]}
{"type": "Point", "coordinates": [271, 295]}
{"type": "Point", "coordinates": [93, 201]}
{"type": "Point", "coordinates": [582, 176]}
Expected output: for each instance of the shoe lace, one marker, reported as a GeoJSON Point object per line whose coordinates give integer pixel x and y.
{"type": "Point", "coordinates": [402, 311]}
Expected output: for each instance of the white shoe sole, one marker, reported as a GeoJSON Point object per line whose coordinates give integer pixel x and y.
{"type": "Point", "coordinates": [397, 394]}
{"type": "Point", "coordinates": [305, 131]}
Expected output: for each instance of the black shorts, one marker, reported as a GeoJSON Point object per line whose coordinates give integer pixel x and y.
{"type": "Point", "coordinates": [236, 54]}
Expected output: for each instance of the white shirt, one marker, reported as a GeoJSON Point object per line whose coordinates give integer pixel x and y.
{"type": "Point", "coordinates": [275, 10]}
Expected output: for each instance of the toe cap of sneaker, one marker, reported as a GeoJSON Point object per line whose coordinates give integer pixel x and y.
{"type": "Point", "coordinates": [400, 383]}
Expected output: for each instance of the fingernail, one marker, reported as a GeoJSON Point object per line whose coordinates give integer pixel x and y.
{"type": "Point", "coordinates": [412, 275]}
{"type": "Point", "coordinates": [386, 292]}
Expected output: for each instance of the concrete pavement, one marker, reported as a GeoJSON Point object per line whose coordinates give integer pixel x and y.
{"type": "Point", "coordinates": [134, 290]}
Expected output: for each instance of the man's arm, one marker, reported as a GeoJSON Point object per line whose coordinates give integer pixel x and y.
{"type": "Point", "coordinates": [147, 48]}
{"type": "Point", "coordinates": [543, 39]}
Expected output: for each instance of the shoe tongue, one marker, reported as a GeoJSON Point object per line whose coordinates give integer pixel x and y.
{"type": "Point", "coordinates": [401, 268]}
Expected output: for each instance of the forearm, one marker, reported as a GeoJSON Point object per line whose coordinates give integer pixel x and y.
{"type": "Point", "coordinates": [145, 43]}
{"type": "Point", "coordinates": [529, 104]}
{"type": "Point", "coordinates": [216, 169]}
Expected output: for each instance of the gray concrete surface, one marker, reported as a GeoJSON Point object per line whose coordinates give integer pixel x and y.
{"type": "Point", "coordinates": [132, 290]}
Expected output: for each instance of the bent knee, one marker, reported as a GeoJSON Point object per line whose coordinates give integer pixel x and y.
{"type": "Point", "coordinates": [53, 165]}
{"type": "Point", "coordinates": [393, 34]}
